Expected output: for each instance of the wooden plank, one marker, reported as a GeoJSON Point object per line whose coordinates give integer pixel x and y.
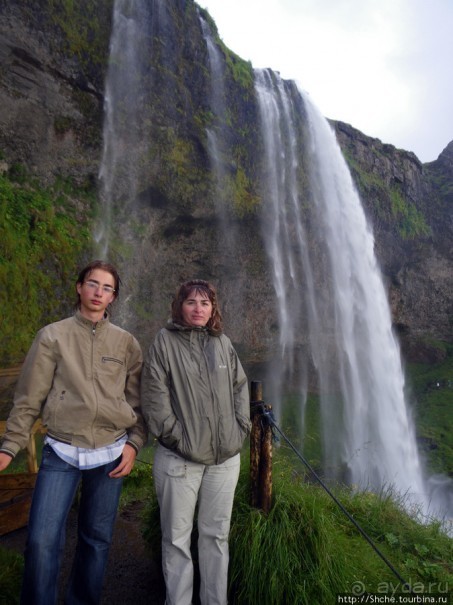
{"type": "Point", "coordinates": [16, 491]}
{"type": "Point", "coordinates": [32, 458]}
{"type": "Point", "coordinates": [15, 371]}
{"type": "Point", "coordinates": [12, 484]}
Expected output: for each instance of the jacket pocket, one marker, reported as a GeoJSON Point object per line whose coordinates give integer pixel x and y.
{"type": "Point", "coordinates": [232, 436]}
{"type": "Point", "coordinates": [197, 443]}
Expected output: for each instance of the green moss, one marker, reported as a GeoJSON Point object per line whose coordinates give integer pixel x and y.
{"type": "Point", "coordinates": [180, 174]}
{"type": "Point", "coordinates": [389, 203]}
{"type": "Point", "coordinates": [86, 33]}
{"type": "Point", "coordinates": [40, 243]}
{"type": "Point", "coordinates": [244, 200]}
{"type": "Point", "coordinates": [63, 124]}
{"type": "Point", "coordinates": [411, 222]}
{"type": "Point", "coordinates": [241, 71]}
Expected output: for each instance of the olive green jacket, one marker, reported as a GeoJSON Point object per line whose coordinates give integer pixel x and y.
{"type": "Point", "coordinates": [84, 380]}
{"type": "Point", "coordinates": [195, 394]}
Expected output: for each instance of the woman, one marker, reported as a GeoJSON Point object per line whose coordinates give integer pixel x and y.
{"type": "Point", "coordinates": [82, 375]}
{"type": "Point", "coordinates": [195, 400]}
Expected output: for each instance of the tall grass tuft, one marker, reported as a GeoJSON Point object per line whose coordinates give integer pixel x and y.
{"type": "Point", "coordinates": [306, 551]}
{"type": "Point", "coordinates": [288, 556]}
{"type": "Point", "coordinates": [11, 566]}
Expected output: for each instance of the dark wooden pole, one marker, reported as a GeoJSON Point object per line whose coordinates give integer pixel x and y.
{"type": "Point", "coordinates": [256, 394]}
{"type": "Point", "coordinates": [260, 452]}
{"type": "Point", "coordinates": [266, 468]}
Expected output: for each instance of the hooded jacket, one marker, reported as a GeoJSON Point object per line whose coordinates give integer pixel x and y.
{"type": "Point", "coordinates": [195, 394]}
{"type": "Point", "coordinates": [84, 380]}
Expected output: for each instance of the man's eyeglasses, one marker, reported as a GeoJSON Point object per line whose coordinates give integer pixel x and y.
{"type": "Point", "coordinates": [94, 285]}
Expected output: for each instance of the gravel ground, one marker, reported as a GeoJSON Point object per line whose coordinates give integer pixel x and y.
{"type": "Point", "coordinates": [132, 577]}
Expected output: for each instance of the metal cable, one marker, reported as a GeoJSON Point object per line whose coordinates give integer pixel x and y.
{"type": "Point", "coordinates": [271, 421]}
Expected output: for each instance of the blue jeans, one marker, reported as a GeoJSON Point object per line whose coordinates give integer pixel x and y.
{"type": "Point", "coordinates": [54, 492]}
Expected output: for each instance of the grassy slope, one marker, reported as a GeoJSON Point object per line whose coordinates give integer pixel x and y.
{"type": "Point", "coordinates": [432, 390]}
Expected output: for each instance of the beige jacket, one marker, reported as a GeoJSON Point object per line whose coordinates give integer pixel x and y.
{"type": "Point", "coordinates": [84, 380]}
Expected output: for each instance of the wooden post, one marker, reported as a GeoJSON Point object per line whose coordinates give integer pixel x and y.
{"type": "Point", "coordinates": [266, 468]}
{"type": "Point", "coordinates": [256, 394]}
{"type": "Point", "coordinates": [260, 452]}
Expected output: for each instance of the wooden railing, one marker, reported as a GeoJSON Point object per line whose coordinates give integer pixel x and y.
{"type": "Point", "coordinates": [16, 489]}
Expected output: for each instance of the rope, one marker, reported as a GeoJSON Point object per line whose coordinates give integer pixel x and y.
{"type": "Point", "coordinates": [143, 461]}
{"type": "Point", "coordinates": [271, 421]}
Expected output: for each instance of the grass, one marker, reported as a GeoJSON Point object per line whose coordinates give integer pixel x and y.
{"type": "Point", "coordinates": [306, 551]}
{"type": "Point", "coordinates": [431, 388]}
{"type": "Point", "coordinates": [11, 565]}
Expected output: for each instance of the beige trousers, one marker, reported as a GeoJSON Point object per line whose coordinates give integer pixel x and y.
{"type": "Point", "coordinates": [180, 484]}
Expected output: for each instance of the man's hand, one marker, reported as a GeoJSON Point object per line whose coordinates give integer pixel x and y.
{"type": "Point", "coordinates": [5, 459]}
{"type": "Point", "coordinates": [126, 464]}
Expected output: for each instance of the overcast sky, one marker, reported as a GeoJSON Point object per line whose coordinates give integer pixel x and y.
{"type": "Point", "coordinates": [384, 66]}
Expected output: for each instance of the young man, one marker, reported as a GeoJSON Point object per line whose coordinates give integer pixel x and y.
{"type": "Point", "coordinates": [82, 374]}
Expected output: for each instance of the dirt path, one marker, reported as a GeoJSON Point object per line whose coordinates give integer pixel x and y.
{"type": "Point", "coordinates": [132, 577]}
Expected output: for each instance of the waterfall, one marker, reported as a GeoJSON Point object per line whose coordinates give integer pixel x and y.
{"type": "Point", "coordinates": [122, 105]}
{"type": "Point", "coordinates": [216, 133]}
{"type": "Point", "coordinates": [219, 143]}
{"type": "Point", "coordinates": [332, 314]}
{"type": "Point", "coordinates": [334, 291]}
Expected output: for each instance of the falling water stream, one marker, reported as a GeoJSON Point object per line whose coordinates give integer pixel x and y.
{"type": "Point", "coordinates": [217, 137]}
{"type": "Point", "coordinates": [375, 437]}
{"type": "Point", "coordinates": [320, 248]}
{"type": "Point", "coordinates": [122, 106]}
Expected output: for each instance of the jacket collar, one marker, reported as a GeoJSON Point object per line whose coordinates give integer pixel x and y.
{"type": "Point", "coordinates": [174, 327]}
{"type": "Point", "coordinates": [87, 323]}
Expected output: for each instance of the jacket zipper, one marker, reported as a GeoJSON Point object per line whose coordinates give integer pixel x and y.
{"type": "Point", "coordinates": [215, 409]}
{"type": "Point", "coordinates": [93, 332]}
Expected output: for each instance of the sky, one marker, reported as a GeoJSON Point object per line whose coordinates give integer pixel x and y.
{"type": "Point", "coordinates": [383, 66]}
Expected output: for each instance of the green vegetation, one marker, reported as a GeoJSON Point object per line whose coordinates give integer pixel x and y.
{"type": "Point", "coordinates": [138, 486]}
{"type": "Point", "coordinates": [242, 71]}
{"type": "Point", "coordinates": [244, 200]}
{"type": "Point", "coordinates": [306, 550]}
{"type": "Point", "coordinates": [40, 243]}
{"type": "Point", "coordinates": [432, 388]}
{"type": "Point", "coordinates": [11, 566]}
{"type": "Point", "coordinates": [86, 32]}
{"type": "Point", "coordinates": [411, 222]}
{"type": "Point", "coordinates": [389, 203]}
{"type": "Point", "coordinates": [180, 177]}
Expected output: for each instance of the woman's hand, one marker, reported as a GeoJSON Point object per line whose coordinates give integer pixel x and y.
{"type": "Point", "coordinates": [127, 463]}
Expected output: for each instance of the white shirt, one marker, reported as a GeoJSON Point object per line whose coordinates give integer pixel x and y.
{"type": "Point", "coordinates": [83, 458]}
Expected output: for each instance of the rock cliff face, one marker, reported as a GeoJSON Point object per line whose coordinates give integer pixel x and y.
{"type": "Point", "coordinates": [409, 205]}
{"type": "Point", "coordinates": [53, 67]}
{"type": "Point", "coordinates": [51, 87]}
